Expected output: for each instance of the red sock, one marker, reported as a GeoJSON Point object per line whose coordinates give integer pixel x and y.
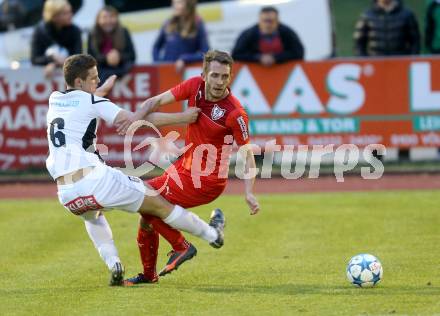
{"type": "Point", "coordinates": [148, 243]}
{"type": "Point", "coordinates": [173, 236]}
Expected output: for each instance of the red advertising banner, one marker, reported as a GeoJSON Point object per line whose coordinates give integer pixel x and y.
{"type": "Point", "coordinates": [394, 102]}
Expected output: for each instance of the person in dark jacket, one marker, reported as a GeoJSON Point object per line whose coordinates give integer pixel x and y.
{"type": "Point", "coordinates": [55, 38]}
{"type": "Point", "coordinates": [111, 45]}
{"type": "Point", "coordinates": [268, 42]}
{"type": "Point", "coordinates": [387, 28]}
{"type": "Point", "coordinates": [432, 29]}
{"type": "Point", "coordinates": [182, 38]}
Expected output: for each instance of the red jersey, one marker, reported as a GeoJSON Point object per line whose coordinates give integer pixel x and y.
{"type": "Point", "coordinates": [216, 120]}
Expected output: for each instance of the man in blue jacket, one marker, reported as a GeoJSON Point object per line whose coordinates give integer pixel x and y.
{"type": "Point", "coordinates": [268, 42]}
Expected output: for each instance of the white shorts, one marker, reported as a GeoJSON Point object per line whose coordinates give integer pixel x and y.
{"type": "Point", "coordinates": [103, 188]}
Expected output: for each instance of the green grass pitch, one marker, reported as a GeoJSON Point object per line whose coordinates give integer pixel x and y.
{"type": "Point", "coordinates": [288, 260]}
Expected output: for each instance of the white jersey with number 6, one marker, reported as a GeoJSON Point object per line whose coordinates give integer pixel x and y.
{"type": "Point", "coordinates": [72, 120]}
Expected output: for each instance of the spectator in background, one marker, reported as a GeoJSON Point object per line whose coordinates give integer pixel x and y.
{"type": "Point", "coordinates": [387, 28]}
{"type": "Point", "coordinates": [55, 38]}
{"type": "Point", "coordinates": [432, 30]}
{"type": "Point", "coordinates": [269, 41]}
{"type": "Point", "coordinates": [111, 45]}
{"type": "Point", "coordinates": [182, 38]}
{"type": "Point", "coordinates": [12, 14]}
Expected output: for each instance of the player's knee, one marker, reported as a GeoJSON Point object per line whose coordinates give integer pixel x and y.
{"type": "Point", "coordinates": [156, 206]}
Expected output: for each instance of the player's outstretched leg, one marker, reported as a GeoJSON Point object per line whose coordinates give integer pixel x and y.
{"type": "Point", "coordinates": [218, 221]}
{"type": "Point", "coordinates": [181, 219]}
{"type": "Point", "coordinates": [177, 258]}
{"type": "Point", "coordinates": [117, 274]}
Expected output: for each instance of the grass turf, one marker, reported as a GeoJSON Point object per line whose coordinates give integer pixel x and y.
{"type": "Point", "coordinates": [288, 260]}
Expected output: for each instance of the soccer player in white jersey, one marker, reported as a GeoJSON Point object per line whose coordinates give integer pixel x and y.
{"type": "Point", "coordinates": [86, 186]}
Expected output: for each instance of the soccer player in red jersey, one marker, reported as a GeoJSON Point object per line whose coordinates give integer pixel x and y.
{"type": "Point", "coordinates": [203, 169]}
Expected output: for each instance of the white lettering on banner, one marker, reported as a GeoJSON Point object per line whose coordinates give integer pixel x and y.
{"type": "Point", "coordinates": [365, 139]}
{"type": "Point", "coordinates": [142, 85]}
{"type": "Point", "coordinates": [121, 89]}
{"type": "Point", "coordinates": [38, 142]}
{"type": "Point", "coordinates": [323, 140]}
{"type": "Point", "coordinates": [16, 143]}
{"type": "Point", "coordinates": [348, 95]}
{"type": "Point", "coordinates": [36, 90]}
{"type": "Point", "coordinates": [7, 160]}
{"type": "Point", "coordinates": [32, 118]}
{"type": "Point", "coordinates": [40, 94]}
{"type": "Point", "coordinates": [430, 139]}
{"type": "Point", "coordinates": [32, 159]}
{"type": "Point", "coordinates": [298, 95]}
{"type": "Point", "coordinates": [404, 140]}
{"type": "Point", "coordinates": [422, 97]}
{"type": "Point", "coordinates": [15, 87]}
{"type": "Point", "coordinates": [249, 93]}
{"type": "Point", "coordinates": [291, 140]}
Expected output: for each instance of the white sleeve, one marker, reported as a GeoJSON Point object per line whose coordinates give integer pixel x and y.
{"type": "Point", "coordinates": [105, 109]}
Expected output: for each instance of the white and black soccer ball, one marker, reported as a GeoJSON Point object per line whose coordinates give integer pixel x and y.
{"type": "Point", "coordinates": [364, 270]}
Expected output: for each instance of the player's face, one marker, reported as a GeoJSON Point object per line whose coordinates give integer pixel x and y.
{"type": "Point", "coordinates": [91, 83]}
{"type": "Point", "coordinates": [217, 80]}
{"type": "Point", "coordinates": [268, 22]}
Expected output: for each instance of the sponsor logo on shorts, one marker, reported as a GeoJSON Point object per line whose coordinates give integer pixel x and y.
{"type": "Point", "coordinates": [217, 112]}
{"type": "Point", "coordinates": [243, 127]}
{"type": "Point", "coordinates": [82, 204]}
{"type": "Point", "coordinates": [134, 179]}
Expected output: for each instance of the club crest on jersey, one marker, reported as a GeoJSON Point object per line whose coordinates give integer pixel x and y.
{"type": "Point", "coordinates": [217, 112]}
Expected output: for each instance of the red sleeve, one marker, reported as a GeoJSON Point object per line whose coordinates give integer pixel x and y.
{"type": "Point", "coordinates": [238, 122]}
{"type": "Point", "coordinates": [184, 90]}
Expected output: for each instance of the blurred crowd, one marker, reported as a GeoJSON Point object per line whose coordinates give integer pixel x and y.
{"type": "Point", "coordinates": [388, 27]}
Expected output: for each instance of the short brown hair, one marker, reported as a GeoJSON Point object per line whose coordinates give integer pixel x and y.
{"type": "Point", "coordinates": [77, 66]}
{"type": "Point", "coordinates": [218, 56]}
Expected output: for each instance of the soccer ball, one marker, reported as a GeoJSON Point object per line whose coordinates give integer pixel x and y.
{"type": "Point", "coordinates": [364, 270]}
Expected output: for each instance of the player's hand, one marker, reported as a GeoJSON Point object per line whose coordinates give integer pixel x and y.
{"type": "Point", "coordinates": [123, 121]}
{"type": "Point", "coordinates": [252, 202]}
{"type": "Point", "coordinates": [190, 115]}
{"type": "Point", "coordinates": [105, 88]}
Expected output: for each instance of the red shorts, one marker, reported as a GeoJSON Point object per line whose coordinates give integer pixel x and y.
{"type": "Point", "coordinates": [188, 196]}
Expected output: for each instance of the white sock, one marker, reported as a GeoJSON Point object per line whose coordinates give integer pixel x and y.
{"type": "Point", "coordinates": [101, 234]}
{"type": "Point", "coordinates": [191, 223]}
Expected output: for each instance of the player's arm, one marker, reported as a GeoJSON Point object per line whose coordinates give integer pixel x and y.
{"type": "Point", "coordinates": [125, 118]}
{"type": "Point", "coordinates": [105, 88]}
{"type": "Point", "coordinates": [159, 119]}
{"type": "Point", "coordinates": [249, 165]}
{"type": "Point", "coordinates": [153, 103]}
{"type": "Point", "coordinates": [146, 108]}
{"type": "Point", "coordinates": [180, 92]}
{"type": "Point", "coordinates": [238, 122]}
